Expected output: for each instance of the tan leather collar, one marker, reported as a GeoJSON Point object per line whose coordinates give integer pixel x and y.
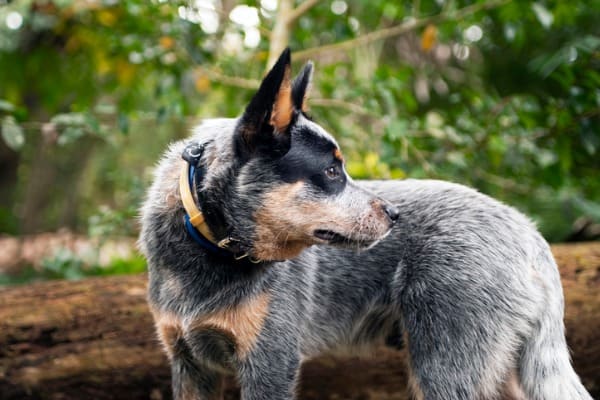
{"type": "Point", "coordinates": [195, 215]}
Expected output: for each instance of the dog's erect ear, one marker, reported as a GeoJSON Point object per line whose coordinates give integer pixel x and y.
{"type": "Point", "coordinates": [272, 103]}
{"type": "Point", "coordinates": [301, 87]}
{"type": "Point", "coordinates": [281, 114]}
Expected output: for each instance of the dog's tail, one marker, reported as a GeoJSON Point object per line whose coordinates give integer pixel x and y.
{"type": "Point", "coordinates": [545, 366]}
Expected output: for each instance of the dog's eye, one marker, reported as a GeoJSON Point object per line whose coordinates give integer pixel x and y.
{"type": "Point", "coordinates": [332, 172]}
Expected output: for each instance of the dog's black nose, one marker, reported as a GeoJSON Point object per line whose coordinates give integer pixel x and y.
{"type": "Point", "coordinates": [391, 212]}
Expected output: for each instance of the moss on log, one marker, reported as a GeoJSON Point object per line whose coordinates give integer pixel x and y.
{"type": "Point", "coordinates": [93, 339]}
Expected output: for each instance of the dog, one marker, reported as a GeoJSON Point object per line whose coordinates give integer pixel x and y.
{"type": "Point", "coordinates": [262, 252]}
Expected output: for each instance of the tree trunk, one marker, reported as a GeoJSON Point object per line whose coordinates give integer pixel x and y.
{"type": "Point", "coordinates": [285, 19]}
{"type": "Point", "coordinates": [9, 165]}
{"type": "Point", "coordinates": [94, 339]}
{"type": "Point", "coordinates": [280, 35]}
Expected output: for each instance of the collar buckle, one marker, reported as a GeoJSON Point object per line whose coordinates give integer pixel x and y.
{"type": "Point", "coordinates": [192, 153]}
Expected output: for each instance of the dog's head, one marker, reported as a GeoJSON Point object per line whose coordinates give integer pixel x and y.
{"type": "Point", "coordinates": [287, 188]}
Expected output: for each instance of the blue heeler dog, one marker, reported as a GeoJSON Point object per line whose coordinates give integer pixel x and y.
{"type": "Point", "coordinates": [263, 253]}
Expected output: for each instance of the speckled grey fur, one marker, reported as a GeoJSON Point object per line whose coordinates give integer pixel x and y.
{"type": "Point", "coordinates": [468, 282]}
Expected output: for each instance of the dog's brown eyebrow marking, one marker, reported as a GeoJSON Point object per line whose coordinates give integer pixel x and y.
{"type": "Point", "coordinates": [338, 154]}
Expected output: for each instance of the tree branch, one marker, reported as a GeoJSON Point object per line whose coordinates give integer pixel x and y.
{"type": "Point", "coordinates": [504, 183]}
{"type": "Point", "coordinates": [280, 35]}
{"type": "Point", "coordinates": [286, 16]}
{"type": "Point", "coordinates": [404, 27]}
{"type": "Point", "coordinates": [337, 103]}
{"type": "Point", "coordinates": [253, 84]}
{"type": "Point", "coordinates": [300, 10]}
{"type": "Point", "coordinates": [244, 83]}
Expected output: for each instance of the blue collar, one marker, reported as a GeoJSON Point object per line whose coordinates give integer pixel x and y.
{"type": "Point", "coordinates": [192, 231]}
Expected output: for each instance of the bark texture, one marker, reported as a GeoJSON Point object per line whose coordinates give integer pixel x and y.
{"type": "Point", "coordinates": [94, 339]}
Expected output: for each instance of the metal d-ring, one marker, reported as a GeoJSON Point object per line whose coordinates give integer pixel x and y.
{"type": "Point", "coordinates": [224, 243]}
{"type": "Point", "coordinates": [250, 258]}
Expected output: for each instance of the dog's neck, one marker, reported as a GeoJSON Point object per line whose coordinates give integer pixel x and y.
{"type": "Point", "coordinates": [209, 228]}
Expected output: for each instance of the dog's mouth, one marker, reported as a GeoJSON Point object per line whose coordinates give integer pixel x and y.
{"type": "Point", "coordinates": [335, 238]}
{"type": "Point", "coordinates": [330, 236]}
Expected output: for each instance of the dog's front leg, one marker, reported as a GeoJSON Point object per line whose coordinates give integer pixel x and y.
{"type": "Point", "coordinates": [199, 360]}
{"type": "Point", "coordinates": [273, 378]}
{"type": "Point", "coordinates": [271, 370]}
{"type": "Point", "coordinates": [195, 381]}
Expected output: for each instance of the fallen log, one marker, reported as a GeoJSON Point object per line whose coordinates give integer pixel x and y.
{"type": "Point", "coordinates": [93, 339]}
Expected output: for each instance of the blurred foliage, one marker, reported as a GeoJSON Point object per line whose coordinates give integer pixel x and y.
{"type": "Point", "coordinates": [505, 99]}
{"type": "Point", "coordinates": [66, 265]}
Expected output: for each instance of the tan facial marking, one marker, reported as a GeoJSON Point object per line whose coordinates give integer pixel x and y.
{"type": "Point", "coordinates": [289, 215]}
{"type": "Point", "coordinates": [242, 322]}
{"type": "Point", "coordinates": [282, 112]}
{"type": "Point", "coordinates": [285, 224]}
{"type": "Point", "coordinates": [338, 154]}
{"type": "Point", "coordinates": [276, 237]}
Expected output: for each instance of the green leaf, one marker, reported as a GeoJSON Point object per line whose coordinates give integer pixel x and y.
{"type": "Point", "coordinates": [565, 153]}
{"type": "Point", "coordinates": [545, 157]}
{"type": "Point", "coordinates": [396, 129]}
{"type": "Point", "coordinates": [70, 134]}
{"type": "Point", "coordinates": [92, 123]}
{"type": "Point", "coordinates": [12, 133]}
{"type": "Point", "coordinates": [456, 158]}
{"type": "Point", "coordinates": [589, 207]}
{"type": "Point", "coordinates": [546, 64]}
{"type": "Point", "coordinates": [69, 119]}
{"type": "Point", "coordinates": [543, 15]}
{"type": "Point", "coordinates": [588, 43]}
{"type": "Point", "coordinates": [6, 106]}
{"type": "Point", "coordinates": [123, 122]}
{"type": "Point", "coordinates": [161, 114]}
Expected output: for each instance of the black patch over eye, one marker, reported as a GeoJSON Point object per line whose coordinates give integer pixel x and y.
{"type": "Point", "coordinates": [332, 172]}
